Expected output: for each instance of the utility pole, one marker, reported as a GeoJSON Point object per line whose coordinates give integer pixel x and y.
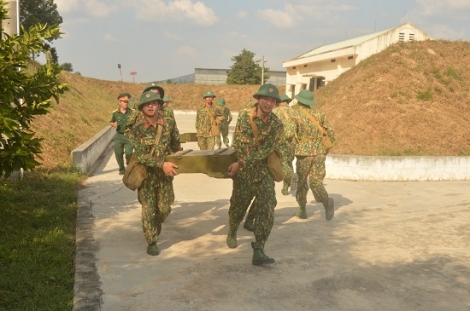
{"type": "Point", "coordinates": [12, 26]}
{"type": "Point", "coordinates": [120, 72]}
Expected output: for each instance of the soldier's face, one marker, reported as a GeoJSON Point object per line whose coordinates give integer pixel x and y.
{"type": "Point", "coordinates": [266, 104]}
{"type": "Point", "coordinates": [123, 102]}
{"type": "Point", "coordinates": [209, 100]}
{"type": "Point", "coordinates": [150, 109]}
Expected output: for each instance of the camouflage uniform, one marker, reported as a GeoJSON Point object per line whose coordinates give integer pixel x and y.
{"type": "Point", "coordinates": [205, 126]}
{"type": "Point", "coordinates": [122, 145]}
{"type": "Point", "coordinates": [227, 118]}
{"type": "Point", "coordinates": [169, 117]}
{"type": "Point", "coordinates": [287, 145]}
{"type": "Point", "coordinates": [311, 156]}
{"type": "Point", "coordinates": [254, 178]}
{"type": "Point", "coordinates": [156, 192]}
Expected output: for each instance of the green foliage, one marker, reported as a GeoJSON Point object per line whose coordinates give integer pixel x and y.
{"type": "Point", "coordinates": [34, 12]}
{"type": "Point", "coordinates": [67, 67]}
{"type": "Point", "coordinates": [23, 95]}
{"type": "Point", "coordinates": [38, 217]}
{"type": "Point", "coordinates": [245, 70]}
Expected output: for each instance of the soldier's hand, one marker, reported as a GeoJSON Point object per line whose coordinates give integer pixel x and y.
{"type": "Point", "coordinates": [170, 169]}
{"type": "Point", "coordinates": [233, 169]}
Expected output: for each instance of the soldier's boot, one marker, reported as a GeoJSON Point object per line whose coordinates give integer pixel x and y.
{"type": "Point", "coordinates": [249, 224]}
{"type": "Point", "coordinates": [329, 205]}
{"type": "Point", "coordinates": [285, 189]}
{"type": "Point", "coordinates": [259, 257]}
{"type": "Point", "coordinates": [152, 249]}
{"type": "Point", "coordinates": [302, 212]}
{"type": "Point", "coordinates": [232, 237]}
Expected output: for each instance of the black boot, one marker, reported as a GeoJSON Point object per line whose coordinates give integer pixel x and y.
{"type": "Point", "coordinates": [152, 249]}
{"type": "Point", "coordinates": [259, 257]}
{"type": "Point", "coordinates": [329, 205]}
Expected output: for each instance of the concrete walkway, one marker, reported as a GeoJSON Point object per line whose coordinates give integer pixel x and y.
{"type": "Point", "coordinates": [390, 246]}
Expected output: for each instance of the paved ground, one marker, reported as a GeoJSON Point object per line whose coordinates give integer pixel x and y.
{"type": "Point", "coordinates": [390, 246]}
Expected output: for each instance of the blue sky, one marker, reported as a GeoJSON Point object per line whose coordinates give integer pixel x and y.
{"type": "Point", "coordinates": [167, 39]}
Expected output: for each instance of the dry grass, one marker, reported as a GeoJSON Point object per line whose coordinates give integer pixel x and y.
{"type": "Point", "coordinates": [411, 99]}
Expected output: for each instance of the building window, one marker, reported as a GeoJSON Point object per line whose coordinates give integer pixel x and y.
{"type": "Point", "coordinates": [350, 57]}
{"type": "Point", "coordinates": [333, 60]}
{"type": "Point", "coordinates": [305, 65]}
{"type": "Point", "coordinates": [411, 37]}
{"type": "Point", "coordinates": [401, 37]}
{"type": "Point", "coordinates": [294, 67]}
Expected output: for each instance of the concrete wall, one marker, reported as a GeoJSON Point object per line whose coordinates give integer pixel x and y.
{"type": "Point", "coordinates": [368, 168]}
{"type": "Point", "coordinates": [85, 156]}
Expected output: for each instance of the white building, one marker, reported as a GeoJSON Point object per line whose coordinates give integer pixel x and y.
{"type": "Point", "coordinates": [323, 64]}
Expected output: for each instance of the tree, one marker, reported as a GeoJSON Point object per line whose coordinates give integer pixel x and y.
{"type": "Point", "coordinates": [24, 94]}
{"type": "Point", "coordinates": [245, 70]}
{"type": "Point", "coordinates": [67, 67]}
{"type": "Point", "coordinates": [33, 12]}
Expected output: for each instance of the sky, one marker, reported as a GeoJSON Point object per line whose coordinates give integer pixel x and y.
{"type": "Point", "coordinates": [160, 40]}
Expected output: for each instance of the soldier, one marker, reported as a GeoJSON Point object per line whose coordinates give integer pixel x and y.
{"type": "Point", "coordinates": [256, 134]}
{"type": "Point", "coordinates": [151, 139]}
{"type": "Point", "coordinates": [208, 120]}
{"type": "Point", "coordinates": [122, 145]}
{"type": "Point", "coordinates": [166, 112]}
{"type": "Point", "coordinates": [311, 155]}
{"type": "Point", "coordinates": [287, 146]}
{"type": "Point", "coordinates": [166, 101]}
{"type": "Point", "coordinates": [226, 119]}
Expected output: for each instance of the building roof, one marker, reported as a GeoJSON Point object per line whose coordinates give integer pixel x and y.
{"type": "Point", "coordinates": [344, 44]}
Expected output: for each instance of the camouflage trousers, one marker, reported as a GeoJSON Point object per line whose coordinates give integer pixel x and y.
{"type": "Point", "coordinates": [156, 197]}
{"type": "Point", "coordinates": [206, 143]}
{"type": "Point", "coordinates": [244, 190]}
{"type": "Point", "coordinates": [287, 150]}
{"type": "Point", "coordinates": [224, 133]}
{"type": "Point", "coordinates": [310, 174]}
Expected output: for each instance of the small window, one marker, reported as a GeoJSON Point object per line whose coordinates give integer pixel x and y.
{"type": "Point", "coordinates": [294, 67]}
{"type": "Point", "coordinates": [305, 66]}
{"type": "Point", "coordinates": [401, 37]}
{"type": "Point", "coordinates": [350, 57]}
{"type": "Point", "coordinates": [411, 37]}
{"type": "Point", "coordinates": [333, 60]}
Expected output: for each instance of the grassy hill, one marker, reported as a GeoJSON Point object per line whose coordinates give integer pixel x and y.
{"type": "Point", "coordinates": [411, 99]}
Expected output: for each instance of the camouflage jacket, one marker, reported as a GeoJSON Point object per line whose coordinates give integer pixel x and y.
{"type": "Point", "coordinates": [227, 116]}
{"type": "Point", "coordinates": [167, 115]}
{"type": "Point", "coordinates": [308, 134]}
{"type": "Point", "coordinates": [142, 135]}
{"type": "Point", "coordinates": [288, 117]}
{"type": "Point", "coordinates": [206, 118]}
{"type": "Point", "coordinates": [254, 154]}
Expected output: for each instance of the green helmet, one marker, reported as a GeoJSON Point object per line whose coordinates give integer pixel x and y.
{"type": "Point", "coordinates": [153, 85]}
{"type": "Point", "coordinates": [208, 93]}
{"type": "Point", "coordinates": [166, 99]}
{"type": "Point", "coordinates": [221, 102]}
{"type": "Point", "coordinates": [285, 98]}
{"type": "Point", "coordinates": [268, 90]}
{"type": "Point", "coordinates": [147, 97]}
{"type": "Point", "coordinates": [305, 97]}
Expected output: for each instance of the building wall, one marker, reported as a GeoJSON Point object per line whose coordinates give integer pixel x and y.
{"type": "Point", "coordinates": [307, 71]}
